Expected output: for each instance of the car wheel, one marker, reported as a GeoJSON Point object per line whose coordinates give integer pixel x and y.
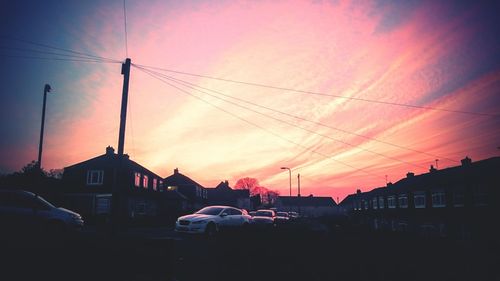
{"type": "Point", "coordinates": [211, 229]}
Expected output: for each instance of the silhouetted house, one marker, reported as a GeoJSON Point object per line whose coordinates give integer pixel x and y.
{"type": "Point", "coordinates": [88, 186]}
{"type": "Point", "coordinates": [455, 202]}
{"type": "Point", "coordinates": [195, 194]}
{"type": "Point", "coordinates": [309, 206]}
{"type": "Point", "coordinates": [223, 194]}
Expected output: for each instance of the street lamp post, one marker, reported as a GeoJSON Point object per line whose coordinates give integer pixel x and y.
{"type": "Point", "coordinates": [290, 177]}
{"type": "Point", "coordinates": [46, 89]}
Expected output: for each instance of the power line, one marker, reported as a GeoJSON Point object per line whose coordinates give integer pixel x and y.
{"type": "Point", "coordinates": [310, 121]}
{"type": "Point", "coordinates": [156, 76]}
{"type": "Point", "coordinates": [56, 59]}
{"type": "Point", "coordinates": [58, 48]}
{"type": "Point", "coordinates": [296, 126]}
{"type": "Point", "coordinates": [323, 94]}
{"type": "Point", "coordinates": [125, 21]}
{"type": "Point", "coordinates": [53, 53]}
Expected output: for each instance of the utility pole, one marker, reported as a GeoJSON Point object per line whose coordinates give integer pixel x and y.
{"type": "Point", "coordinates": [298, 185]}
{"type": "Point", "coordinates": [298, 193]}
{"type": "Point", "coordinates": [118, 195]}
{"type": "Point", "coordinates": [123, 113]}
{"type": "Point", "coordinates": [46, 89]}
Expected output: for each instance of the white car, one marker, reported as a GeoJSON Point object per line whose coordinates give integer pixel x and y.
{"type": "Point", "coordinates": [210, 220]}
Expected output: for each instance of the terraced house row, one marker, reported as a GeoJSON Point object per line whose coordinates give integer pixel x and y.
{"type": "Point", "coordinates": [457, 202]}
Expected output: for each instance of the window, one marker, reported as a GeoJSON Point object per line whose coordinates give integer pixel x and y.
{"type": "Point", "coordinates": [154, 184]}
{"type": "Point", "coordinates": [381, 202]}
{"type": "Point", "coordinates": [140, 208]}
{"type": "Point", "coordinates": [145, 182]}
{"type": "Point", "coordinates": [205, 193]}
{"type": "Point", "coordinates": [234, 212]}
{"type": "Point", "coordinates": [419, 200]}
{"type": "Point", "coordinates": [438, 199]}
{"type": "Point", "coordinates": [480, 196]}
{"type": "Point", "coordinates": [95, 177]}
{"type": "Point", "coordinates": [374, 203]}
{"type": "Point", "coordinates": [391, 201]}
{"type": "Point", "coordinates": [137, 179]}
{"type": "Point", "coordinates": [458, 199]}
{"type": "Point", "coordinates": [365, 204]}
{"type": "Point", "coordinates": [198, 191]}
{"type": "Point", "coordinates": [403, 201]}
{"type": "Point", "coordinates": [160, 185]}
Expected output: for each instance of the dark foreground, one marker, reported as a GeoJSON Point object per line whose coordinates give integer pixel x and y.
{"type": "Point", "coordinates": [296, 252]}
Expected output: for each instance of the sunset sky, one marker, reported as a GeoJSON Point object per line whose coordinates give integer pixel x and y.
{"type": "Point", "coordinates": [433, 54]}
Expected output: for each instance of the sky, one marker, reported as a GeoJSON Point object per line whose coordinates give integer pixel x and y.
{"type": "Point", "coordinates": [382, 87]}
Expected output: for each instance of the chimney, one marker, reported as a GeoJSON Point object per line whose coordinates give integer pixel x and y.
{"type": "Point", "coordinates": [110, 150]}
{"type": "Point", "coordinates": [432, 169]}
{"type": "Point", "coordinates": [466, 161]}
{"type": "Point", "coordinates": [358, 191]}
{"type": "Point", "coordinates": [125, 156]}
{"type": "Point", "coordinates": [226, 183]}
{"type": "Point", "coordinates": [176, 171]}
{"type": "Point", "coordinates": [410, 175]}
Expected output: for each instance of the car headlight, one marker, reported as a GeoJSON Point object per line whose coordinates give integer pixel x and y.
{"type": "Point", "coordinates": [200, 222]}
{"type": "Point", "coordinates": [76, 217]}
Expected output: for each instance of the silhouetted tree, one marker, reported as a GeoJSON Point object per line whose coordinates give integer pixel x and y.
{"type": "Point", "coordinates": [31, 178]}
{"type": "Point", "coordinates": [268, 197]}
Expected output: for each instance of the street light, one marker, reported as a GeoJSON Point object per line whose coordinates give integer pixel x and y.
{"type": "Point", "coordinates": [290, 177]}
{"type": "Point", "coordinates": [46, 89]}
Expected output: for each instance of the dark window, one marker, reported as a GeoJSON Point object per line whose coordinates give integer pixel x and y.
{"type": "Point", "coordinates": [438, 199]}
{"type": "Point", "coordinates": [458, 199]}
{"type": "Point", "coordinates": [234, 212]}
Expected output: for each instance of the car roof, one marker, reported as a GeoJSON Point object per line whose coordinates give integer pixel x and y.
{"type": "Point", "coordinates": [220, 206]}
{"type": "Point", "coordinates": [17, 191]}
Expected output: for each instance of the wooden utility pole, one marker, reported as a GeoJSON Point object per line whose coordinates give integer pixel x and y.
{"type": "Point", "coordinates": [118, 198]}
{"type": "Point", "coordinates": [123, 113]}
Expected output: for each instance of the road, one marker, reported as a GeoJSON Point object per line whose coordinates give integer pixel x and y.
{"type": "Point", "coordinates": [307, 251]}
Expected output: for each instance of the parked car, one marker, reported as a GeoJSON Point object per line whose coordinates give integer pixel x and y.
{"type": "Point", "coordinates": [293, 215]}
{"type": "Point", "coordinates": [212, 219]}
{"type": "Point", "coordinates": [252, 213]}
{"type": "Point", "coordinates": [282, 217]}
{"type": "Point", "coordinates": [22, 211]}
{"type": "Point", "coordinates": [264, 217]}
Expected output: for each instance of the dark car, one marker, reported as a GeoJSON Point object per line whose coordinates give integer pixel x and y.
{"type": "Point", "coordinates": [25, 212]}
{"type": "Point", "coordinates": [282, 217]}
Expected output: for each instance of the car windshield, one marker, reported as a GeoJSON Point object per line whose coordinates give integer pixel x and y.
{"type": "Point", "coordinates": [210, 211]}
{"type": "Point", "coordinates": [264, 214]}
{"type": "Point", "coordinates": [282, 214]}
{"type": "Point", "coordinates": [45, 202]}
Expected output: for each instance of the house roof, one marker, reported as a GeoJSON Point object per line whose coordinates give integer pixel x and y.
{"type": "Point", "coordinates": [307, 201]}
{"type": "Point", "coordinates": [178, 179]}
{"type": "Point", "coordinates": [111, 157]}
{"type": "Point", "coordinates": [452, 177]}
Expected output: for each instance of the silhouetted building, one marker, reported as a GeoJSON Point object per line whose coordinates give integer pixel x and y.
{"type": "Point", "coordinates": [195, 194]}
{"type": "Point", "coordinates": [223, 194]}
{"type": "Point", "coordinates": [88, 186]}
{"type": "Point", "coordinates": [455, 202]}
{"type": "Point", "coordinates": [309, 206]}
